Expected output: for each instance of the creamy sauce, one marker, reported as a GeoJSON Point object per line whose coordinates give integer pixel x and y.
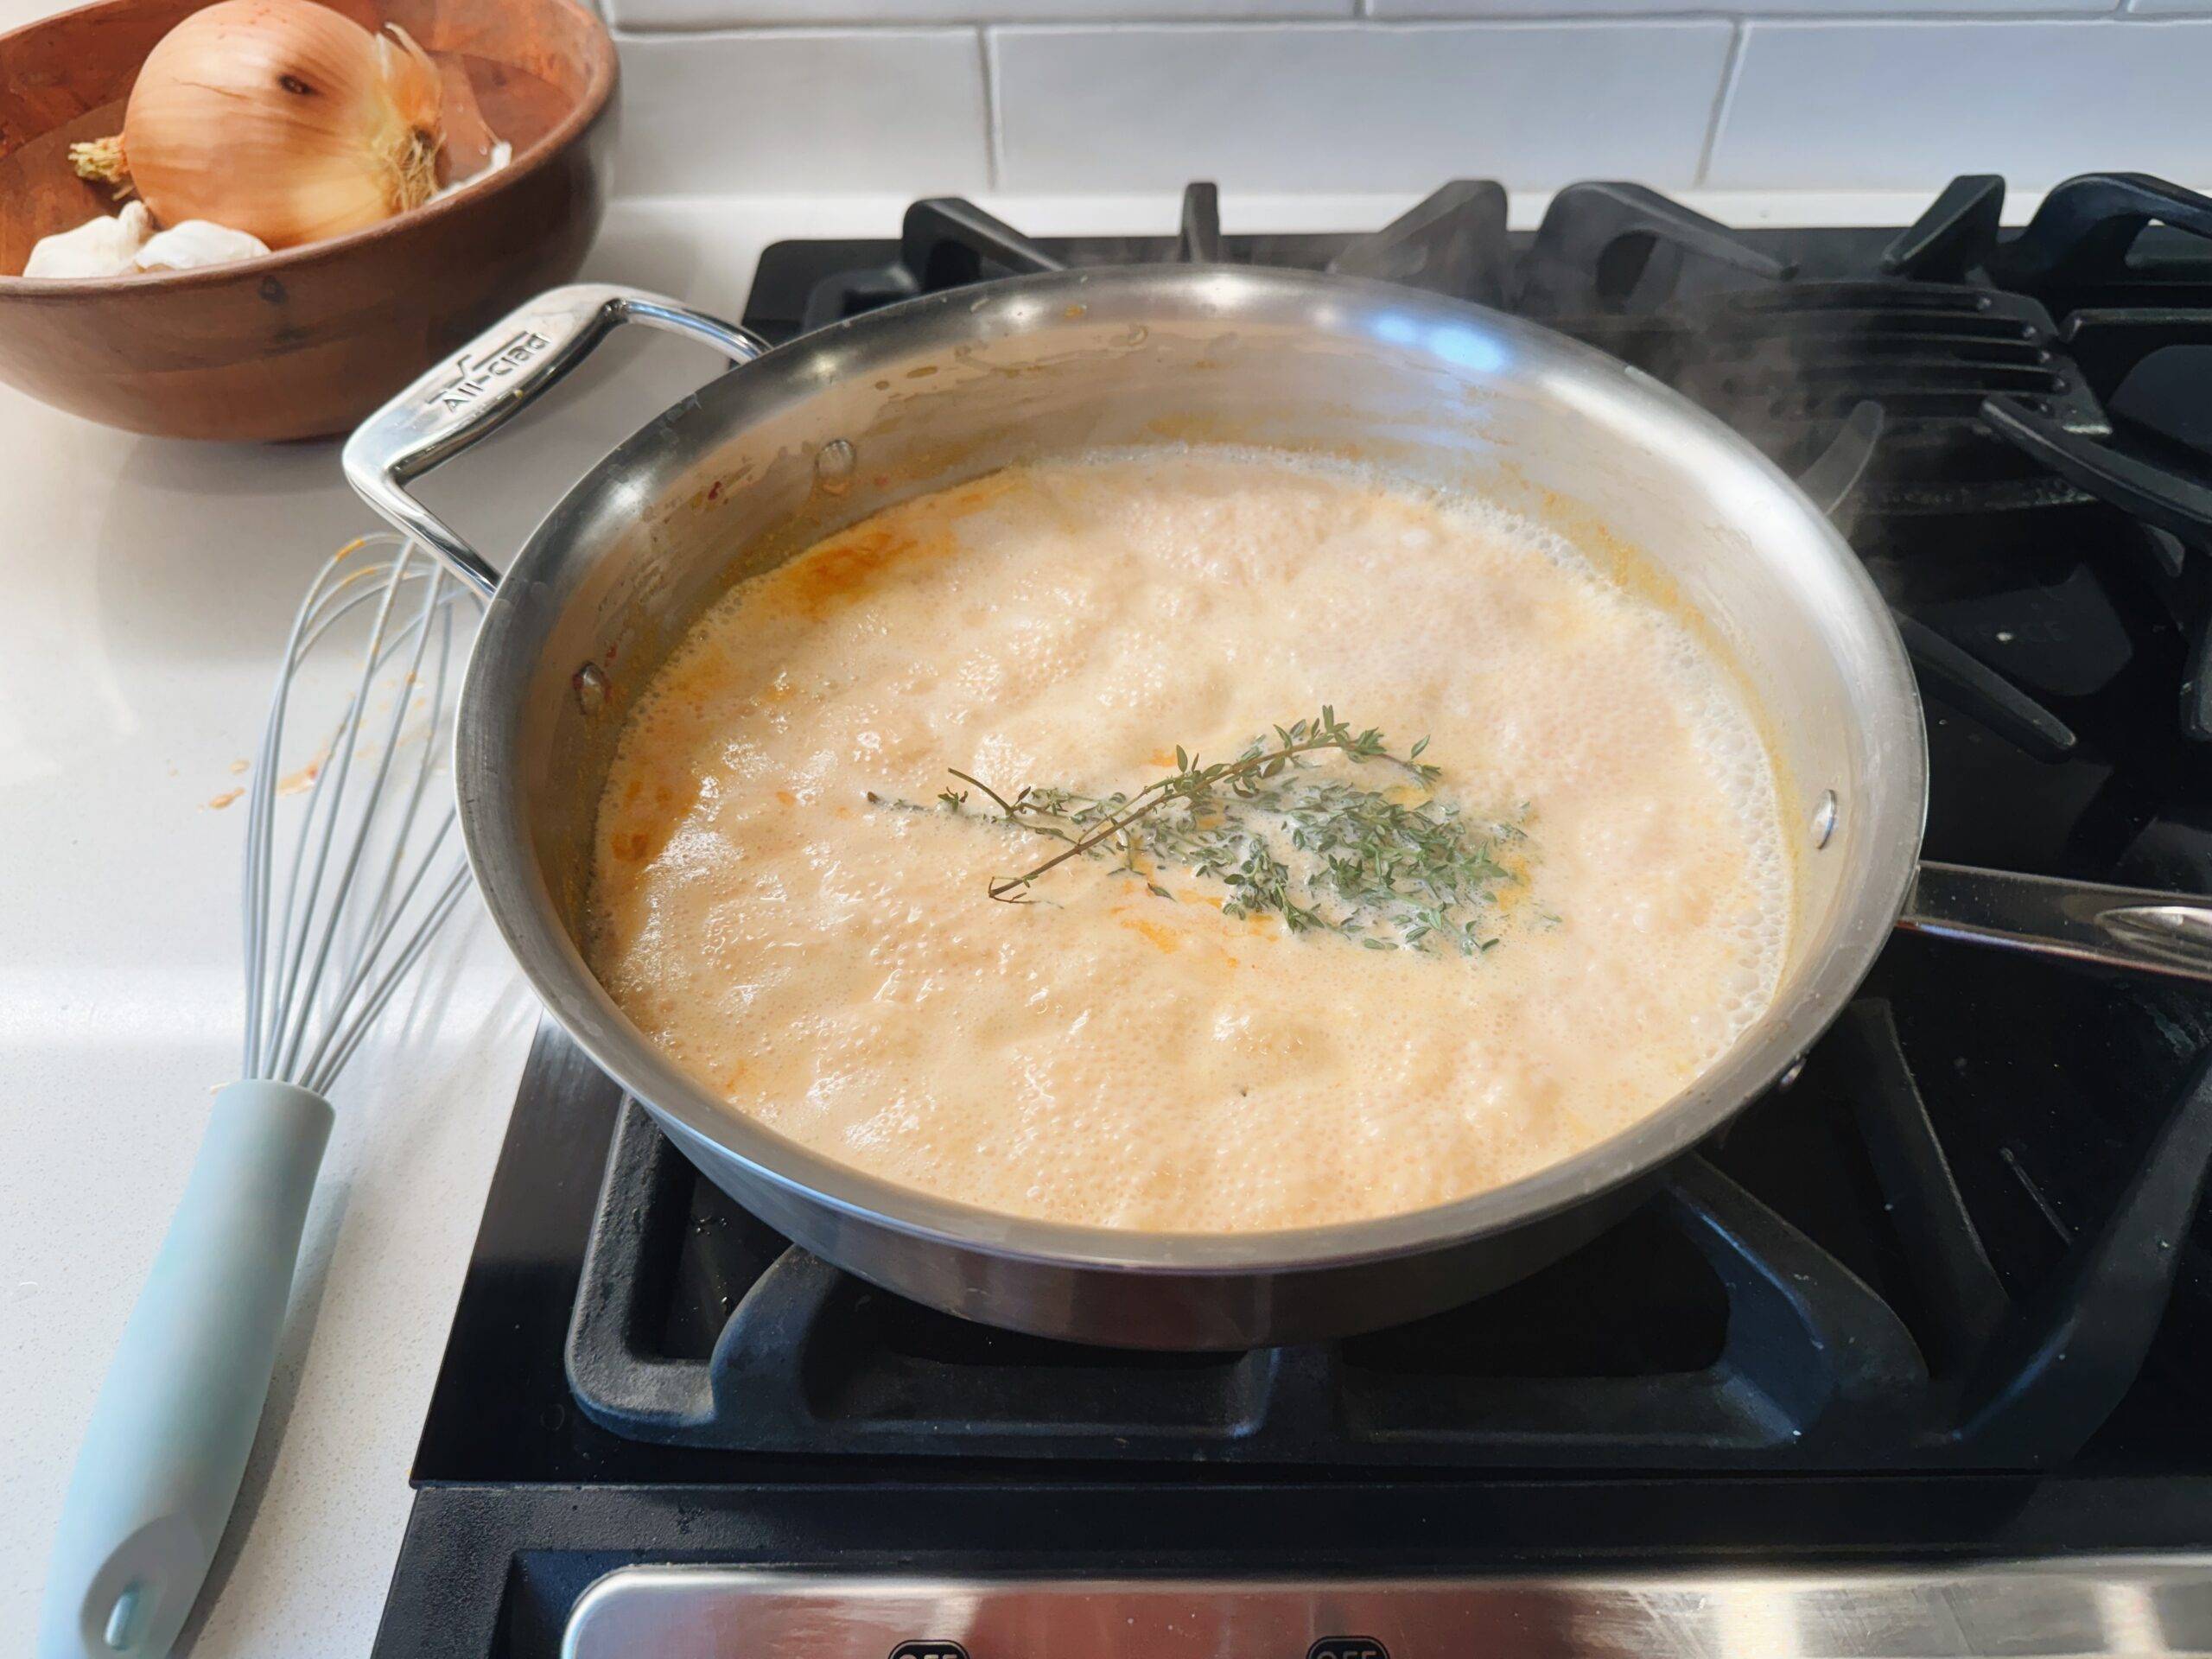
{"type": "Point", "coordinates": [836, 969]}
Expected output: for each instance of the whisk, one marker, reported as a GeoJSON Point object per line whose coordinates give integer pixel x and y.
{"type": "Point", "coordinates": [337, 910]}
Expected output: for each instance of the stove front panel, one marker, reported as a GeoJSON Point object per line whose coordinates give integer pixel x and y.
{"type": "Point", "coordinates": [2140, 1605]}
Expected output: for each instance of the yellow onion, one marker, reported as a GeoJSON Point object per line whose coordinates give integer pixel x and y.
{"type": "Point", "coordinates": [280, 119]}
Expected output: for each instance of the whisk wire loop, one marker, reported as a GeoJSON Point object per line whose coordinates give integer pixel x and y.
{"type": "Point", "coordinates": [334, 921]}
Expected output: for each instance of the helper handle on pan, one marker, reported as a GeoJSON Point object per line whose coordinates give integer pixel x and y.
{"type": "Point", "coordinates": [2132, 928]}
{"type": "Point", "coordinates": [502, 370]}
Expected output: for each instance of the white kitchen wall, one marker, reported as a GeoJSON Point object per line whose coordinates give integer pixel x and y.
{"type": "Point", "coordinates": [1391, 95]}
{"type": "Point", "coordinates": [1352, 106]}
{"type": "Point", "coordinates": [1384, 96]}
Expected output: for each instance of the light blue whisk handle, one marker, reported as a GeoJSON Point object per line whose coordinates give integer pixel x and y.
{"type": "Point", "coordinates": [160, 1466]}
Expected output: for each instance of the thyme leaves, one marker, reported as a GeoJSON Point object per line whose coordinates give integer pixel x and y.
{"type": "Point", "coordinates": [1320, 848]}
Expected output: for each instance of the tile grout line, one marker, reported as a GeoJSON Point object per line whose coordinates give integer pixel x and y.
{"type": "Point", "coordinates": [1579, 11]}
{"type": "Point", "coordinates": [994, 139]}
{"type": "Point", "coordinates": [1567, 15]}
{"type": "Point", "coordinates": [1732, 69]}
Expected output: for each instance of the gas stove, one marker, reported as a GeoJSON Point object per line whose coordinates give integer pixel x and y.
{"type": "Point", "coordinates": [1937, 1310]}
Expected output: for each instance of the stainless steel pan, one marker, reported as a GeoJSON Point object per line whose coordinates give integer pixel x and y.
{"type": "Point", "coordinates": [812, 436]}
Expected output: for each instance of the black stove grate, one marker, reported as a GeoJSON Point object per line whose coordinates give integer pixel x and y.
{"type": "Point", "coordinates": [1787, 364]}
{"type": "Point", "coordinates": [2109, 239]}
{"type": "Point", "coordinates": [1604, 250]}
{"type": "Point", "coordinates": [1707, 1333]}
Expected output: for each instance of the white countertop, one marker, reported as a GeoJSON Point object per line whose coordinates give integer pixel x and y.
{"type": "Point", "coordinates": [149, 583]}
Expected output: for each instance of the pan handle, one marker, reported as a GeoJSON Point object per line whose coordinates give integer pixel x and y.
{"type": "Point", "coordinates": [483, 386]}
{"type": "Point", "coordinates": [2133, 928]}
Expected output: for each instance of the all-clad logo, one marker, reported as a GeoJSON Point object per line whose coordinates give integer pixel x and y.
{"type": "Point", "coordinates": [516, 352]}
{"type": "Point", "coordinates": [929, 1650]}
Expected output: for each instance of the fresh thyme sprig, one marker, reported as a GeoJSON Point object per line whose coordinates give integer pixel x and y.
{"type": "Point", "coordinates": [1392, 872]}
{"type": "Point", "coordinates": [1104, 820]}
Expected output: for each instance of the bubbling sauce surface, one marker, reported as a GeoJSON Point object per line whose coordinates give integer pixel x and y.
{"type": "Point", "coordinates": [835, 968]}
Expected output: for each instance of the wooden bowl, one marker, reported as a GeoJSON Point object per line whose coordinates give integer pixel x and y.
{"type": "Point", "coordinates": [307, 340]}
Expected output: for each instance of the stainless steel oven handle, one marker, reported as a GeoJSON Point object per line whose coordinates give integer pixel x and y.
{"type": "Point", "coordinates": [2137, 929]}
{"type": "Point", "coordinates": [482, 387]}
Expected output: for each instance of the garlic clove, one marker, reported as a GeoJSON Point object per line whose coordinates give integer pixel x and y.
{"type": "Point", "coordinates": [99, 247]}
{"type": "Point", "coordinates": [198, 242]}
{"type": "Point", "coordinates": [502, 153]}
{"type": "Point", "coordinates": [467, 146]}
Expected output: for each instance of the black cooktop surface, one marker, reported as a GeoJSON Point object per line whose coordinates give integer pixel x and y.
{"type": "Point", "coordinates": [1947, 1291]}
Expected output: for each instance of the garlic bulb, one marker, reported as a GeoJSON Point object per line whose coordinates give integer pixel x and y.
{"type": "Point", "coordinates": [195, 242]}
{"type": "Point", "coordinates": [99, 247]}
{"type": "Point", "coordinates": [280, 119]}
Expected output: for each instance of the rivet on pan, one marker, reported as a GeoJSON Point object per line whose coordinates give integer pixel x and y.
{"type": "Point", "coordinates": [590, 682]}
{"type": "Point", "coordinates": [1824, 816]}
{"type": "Point", "coordinates": [834, 466]}
{"type": "Point", "coordinates": [1791, 1073]}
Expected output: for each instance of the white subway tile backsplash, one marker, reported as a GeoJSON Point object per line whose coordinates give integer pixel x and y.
{"type": "Point", "coordinates": [1472, 8]}
{"type": "Point", "coordinates": [776, 111]}
{"type": "Point", "coordinates": [738, 14]}
{"type": "Point", "coordinates": [1907, 105]}
{"type": "Point", "coordinates": [2169, 8]}
{"type": "Point", "coordinates": [1354, 107]}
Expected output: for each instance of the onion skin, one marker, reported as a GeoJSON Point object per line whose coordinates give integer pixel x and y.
{"type": "Point", "coordinates": [283, 119]}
